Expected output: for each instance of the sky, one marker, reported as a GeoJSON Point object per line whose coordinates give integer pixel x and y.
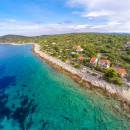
{"type": "Point", "coordinates": [43, 17]}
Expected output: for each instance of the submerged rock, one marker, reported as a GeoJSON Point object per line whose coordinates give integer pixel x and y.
{"type": "Point", "coordinates": [25, 110]}
{"type": "Point", "coordinates": [6, 81]}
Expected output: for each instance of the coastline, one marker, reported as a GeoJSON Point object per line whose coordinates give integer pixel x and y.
{"type": "Point", "coordinates": [85, 80]}
{"type": "Point", "coordinates": [16, 44]}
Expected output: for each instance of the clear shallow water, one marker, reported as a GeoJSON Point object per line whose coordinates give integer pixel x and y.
{"type": "Point", "coordinates": [33, 96]}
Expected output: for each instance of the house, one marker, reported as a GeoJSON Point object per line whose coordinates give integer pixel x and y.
{"type": "Point", "coordinates": [128, 82]}
{"type": "Point", "coordinates": [94, 60]}
{"type": "Point", "coordinates": [79, 49]}
{"type": "Point", "coordinates": [81, 58]}
{"type": "Point", "coordinates": [128, 44]}
{"type": "Point", "coordinates": [121, 71]}
{"type": "Point", "coordinates": [53, 43]}
{"type": "Point", "coordinates": [104, 63]}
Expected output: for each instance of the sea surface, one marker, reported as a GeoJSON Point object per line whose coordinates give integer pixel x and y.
{"type": "Point", "coordinates": [34, 96]}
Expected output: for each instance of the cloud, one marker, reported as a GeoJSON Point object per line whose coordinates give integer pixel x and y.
{"type": "Point", "coordinates": [113, 11]}
{"type": "Point", "coordinates": [12, 26]}
{"type": "Point", "coordinates": [18, 27]}
{"type": "Point", "coordinates": [101, 4]}
{"type": "Point", "coordinates": [95, 14]}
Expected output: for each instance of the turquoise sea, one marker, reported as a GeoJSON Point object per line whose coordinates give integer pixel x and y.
{"type": "Point", "coordinates": [34, 96]}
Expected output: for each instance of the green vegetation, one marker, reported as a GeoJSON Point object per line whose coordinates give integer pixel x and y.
{"type": "Point", "coordinates": [113, 47]}
{"type": "Point", "coordinates": [112, 76]}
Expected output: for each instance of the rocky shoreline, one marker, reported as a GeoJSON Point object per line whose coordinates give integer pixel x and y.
{"type": "Point", "coordinates": [85, 79]}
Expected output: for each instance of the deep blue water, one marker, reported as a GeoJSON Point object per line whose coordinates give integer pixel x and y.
{"type": "Point", "coordinates": [33, 96]}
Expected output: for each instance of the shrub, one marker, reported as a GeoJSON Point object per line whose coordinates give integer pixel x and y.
{"type": "Point", "coordinates": [112, 76]}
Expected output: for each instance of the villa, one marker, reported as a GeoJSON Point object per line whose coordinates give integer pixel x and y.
{"type": "Point", "coordinates": [81, 58]}
{"type": "Point", "coordinates": [79, 49]}
{"type": "Point", "coordinates": [94, 61]}
{"type": "Point", "coordinates": [121, 71]}
{"type": "Point", "coordinates": [128, 44]}
{"type": "Point", "coordinates": [53, 43]}
{"type": "Point", "coordinates": [104, 63]}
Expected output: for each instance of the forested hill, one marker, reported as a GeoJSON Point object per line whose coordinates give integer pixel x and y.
{"type": "Point", "coordinates": [84, 37]}
{"type": "Point", "coordinates": [75, 36]}
{"type": "Point", "coordinates": [12, 38]}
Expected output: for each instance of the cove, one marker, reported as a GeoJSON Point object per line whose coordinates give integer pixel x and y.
{"type": "Point", "coordinates": [34, 96]}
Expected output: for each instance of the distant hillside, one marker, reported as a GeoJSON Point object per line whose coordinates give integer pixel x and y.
{"type": "Point", "coordinates": [76, 36]}
{"type": "Point", "coordinates": [12, 38]}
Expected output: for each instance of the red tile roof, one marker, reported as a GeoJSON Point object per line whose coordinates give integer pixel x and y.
{"type": "Point", "coordinates": [81, 58]}
{"type": "Point", "coordinates": [93, 59]}
{"type": "Point", "coordinates": [121, 71]}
